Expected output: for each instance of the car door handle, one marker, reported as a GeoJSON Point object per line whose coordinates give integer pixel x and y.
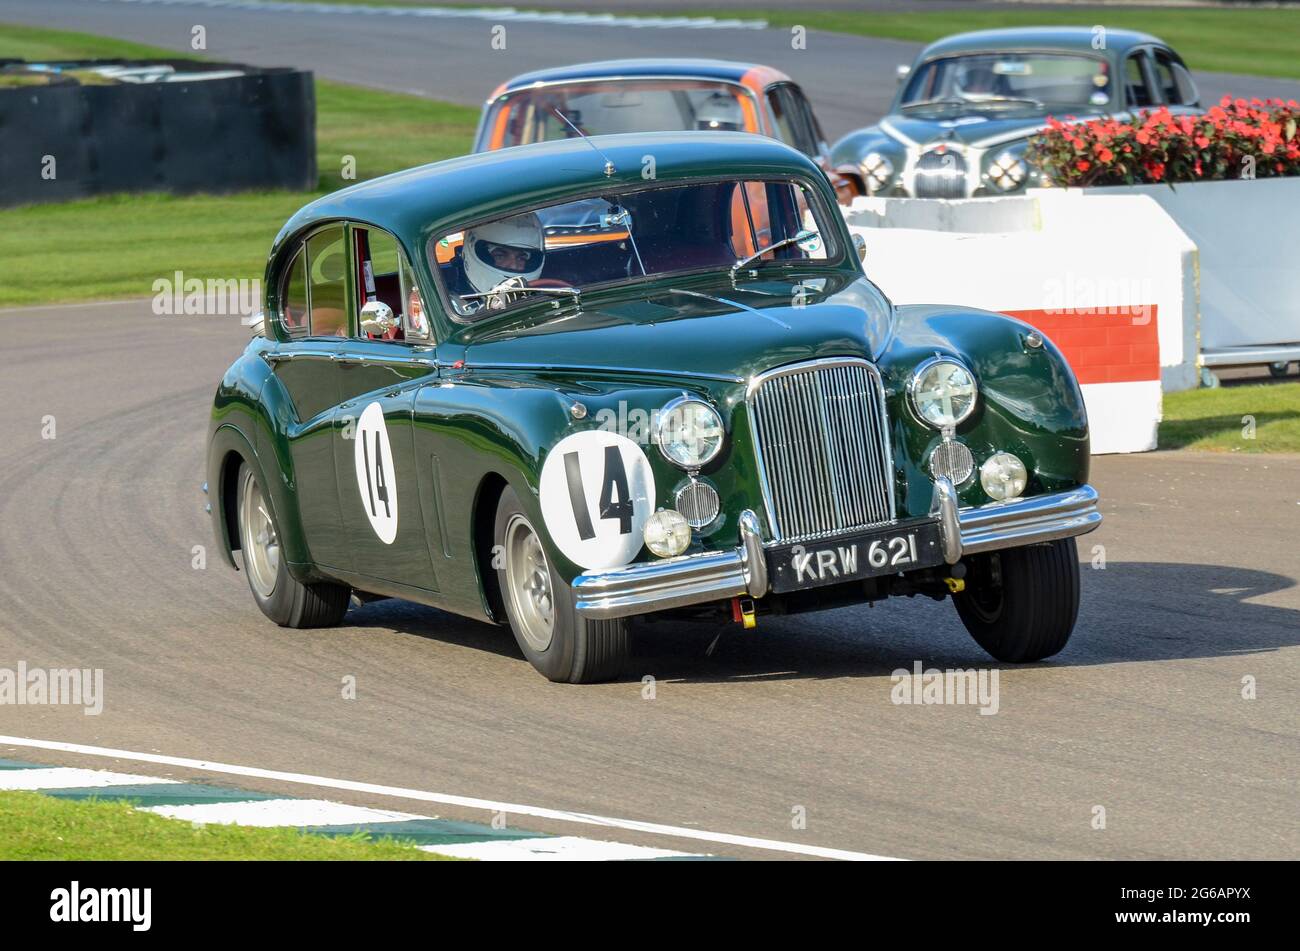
{"type": "Point", "coordinates": [348, 360]}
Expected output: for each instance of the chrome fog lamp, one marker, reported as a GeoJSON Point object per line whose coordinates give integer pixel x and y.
{"type": "Point", "coordinates": [667, 533]}
{"type": "Point", "coordinates": [1008, 171]}
{"type": "Point", "coordinates": [943, 392]}
{"type": "Point", "coordinates": [1003, 476]}
{"type": "Point", "coordinates": [689, 432]}
{"type": "Point", "coordinates": [878, 170]}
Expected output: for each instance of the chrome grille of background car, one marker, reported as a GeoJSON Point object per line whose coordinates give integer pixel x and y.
{"type": "Point", "coordinates": [940, 175]}
{"type": "Point", "coordinates": [823, 448]}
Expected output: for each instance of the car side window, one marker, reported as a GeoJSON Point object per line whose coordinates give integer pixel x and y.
{"type": "Point", "coordinates": [1176, 86]}
{"type": "Point", "coordinates": [815, 138]}
{"type": "Point", "coordinates": [1135, 81]}
{"type": "Point", "coordinates": [791, 127]}
{"type": "Point", "coordinates": [327, 263]}
{"type": "Point", "coordinates": [293, 296]}
{"type": "Point", "coordinates": [384, 275]}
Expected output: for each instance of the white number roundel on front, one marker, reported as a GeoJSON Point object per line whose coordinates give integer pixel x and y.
{"type": "Point", "coordinates": [376, 477]}
{"type": "Point", "coordinates": [597, 490]}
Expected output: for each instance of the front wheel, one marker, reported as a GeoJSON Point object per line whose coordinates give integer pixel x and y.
{"type": "Point", "coordinates": [1020, 604]}
{"type": "Point", "coordinates": [285, 600]}
{"type": "Point", "coordinates": [563, 645]}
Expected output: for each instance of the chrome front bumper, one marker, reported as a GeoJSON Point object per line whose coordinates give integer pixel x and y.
{"type": "Point", "coordinates": [742, 571]}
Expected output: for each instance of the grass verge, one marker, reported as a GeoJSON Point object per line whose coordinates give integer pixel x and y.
{"type": "Point", "coordinates": [37, 827]}
{"type": "Point", "coordinates": [1224, 419]}
{"type": "Point", "coordinates": [1251, 42]}
{"type": "Point", "coordinates": [116, 246]}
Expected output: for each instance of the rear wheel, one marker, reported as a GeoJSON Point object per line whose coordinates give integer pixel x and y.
{"type": "Point", "coordinates": [285, 600]}
{"type": "Point", "coordinates": [1020, 604]}
{"type": "Point", "coordinates": [563, 645]}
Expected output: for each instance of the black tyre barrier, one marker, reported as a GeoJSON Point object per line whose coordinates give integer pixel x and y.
{"type": "Point", "coordinates": [66, 140]}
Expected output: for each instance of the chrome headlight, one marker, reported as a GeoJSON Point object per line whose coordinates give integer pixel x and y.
{"type": "Point", "coordinates": [878, 170]}
{"type": "Point", "coordinates": [1008, 171]}
{"type": "Point", "coordinates": [689, 432]}
{"type": "Point", "coordinates": [943, 392]}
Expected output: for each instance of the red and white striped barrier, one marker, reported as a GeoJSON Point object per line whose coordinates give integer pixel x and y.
{"type": "Point", "coordinates": [1115, 292]}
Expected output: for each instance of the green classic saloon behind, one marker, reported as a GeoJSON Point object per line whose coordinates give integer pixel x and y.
{"type": "Point", "coordinates": [694, 405]}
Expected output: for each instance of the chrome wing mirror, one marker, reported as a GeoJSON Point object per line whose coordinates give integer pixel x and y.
{"type": "Point", "coordinates": [903, 72]}
{"type": "Point", "coordinates": [377, 318]}
{"type": "Point", "coordinates": [860, 245]}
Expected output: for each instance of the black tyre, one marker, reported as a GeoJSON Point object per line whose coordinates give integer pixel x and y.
{"type": "Point", "coordinates": [564, 646]}
{"type": "Point", "coordinates": [1278, 370]}
{"type": "Point", "coordinates": [1020, 604]}
{"type": "Point", "coordinates": [285, 600]}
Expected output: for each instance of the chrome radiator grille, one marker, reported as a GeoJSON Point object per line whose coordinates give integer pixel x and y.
{"type": "Point", "coordinates": [940, 174]}
{"type": "Point", "coordinates": [823, 448]}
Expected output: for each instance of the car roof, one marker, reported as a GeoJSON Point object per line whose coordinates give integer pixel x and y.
{"type": "Point", "coordinates": [1073, 38]}
{"type": "Point", "coordinates": [613, 68]}
{"type": "Point", "coordinates": [439, 197]}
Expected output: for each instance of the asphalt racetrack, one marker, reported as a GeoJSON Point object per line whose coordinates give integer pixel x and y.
{"type": "Point", "coordinates": [850, 79]}
{"type": "Point", "coordinates": [1142, 714]}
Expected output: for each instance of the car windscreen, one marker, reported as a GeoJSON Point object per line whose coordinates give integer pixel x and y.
{"type": "Point", "coordinates": [1009, 81]}
{"type": "Point", "coordinates": [606, 107]}
{"type": "Point", "coordinates": [560, 250]}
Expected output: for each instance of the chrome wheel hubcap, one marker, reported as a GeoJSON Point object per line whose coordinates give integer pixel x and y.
{"type": "Point", "coordinates": [261, 543]}
{"type": "Point", "coordinates": [528, 576]}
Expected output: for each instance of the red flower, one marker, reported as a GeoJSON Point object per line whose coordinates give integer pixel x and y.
{"type": "Point", "coordinates": [1104, 154]}
{"type": "Point", "coordinates": [1143, 137]}
{"type": "Point", "coordinates": [1202, 142]}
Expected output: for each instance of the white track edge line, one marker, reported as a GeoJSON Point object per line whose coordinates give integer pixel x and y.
{"type": "Point", "coordinates": [400, 792]}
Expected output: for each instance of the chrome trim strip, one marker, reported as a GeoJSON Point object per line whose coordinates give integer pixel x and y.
{"type": "Point", "coordinates": [742, 571]}
{"type": "Point", "coordinates": [677, 582]}
{"type": "Point", "coordinates": [1040, 518]}
{"type": "Point", "coordinates": [944, 507]}
{"type": "Point", "coordinates": [753, 560]}
{"type": "Point", "coordinates": [569, 367]}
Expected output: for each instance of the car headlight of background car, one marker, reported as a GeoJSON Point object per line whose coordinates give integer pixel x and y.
{"type": "Point", "coordinates": [943, 392]}
{"type": "Point", "coordinates": [878, 170]}
{"type": "Point", "coordinates": [689, 432]}
{"type": "Point", "coordinates": [1008, 171]}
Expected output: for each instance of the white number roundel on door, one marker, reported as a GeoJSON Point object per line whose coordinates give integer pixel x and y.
{"type": "Point", "coordinates": [597, 490]}
{"type": "Point", "coordinates": [376, 476]}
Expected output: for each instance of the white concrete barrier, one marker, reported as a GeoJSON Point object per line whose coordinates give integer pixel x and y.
{"type": "Point", "coordinates": [1113, 286]}
{"type": "Point", "coordinates": [1248, 236]}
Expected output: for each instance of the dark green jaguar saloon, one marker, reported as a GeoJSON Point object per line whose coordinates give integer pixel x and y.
{"type": "Point", "coordinates": [685, 400]}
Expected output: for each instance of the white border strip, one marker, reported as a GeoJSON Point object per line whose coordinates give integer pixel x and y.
{"type": "Point", "coordinates": [400, 792]}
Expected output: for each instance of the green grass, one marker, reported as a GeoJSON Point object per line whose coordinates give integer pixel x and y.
{"type": "Point", "coordinates": [1216, 420]}
{"type": "Point", "coordinates": [1252, 42]}
{"type": "Point", "coordinates": [33, 826]}
{"type": "Point", "coordinates": [117, 246]}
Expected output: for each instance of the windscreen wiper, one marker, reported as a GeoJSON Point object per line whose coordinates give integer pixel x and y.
{"type": "Point", "coordinates": [783, 243]}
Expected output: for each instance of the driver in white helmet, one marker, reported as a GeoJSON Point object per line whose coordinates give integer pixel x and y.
{"type": "Point", "coordinates": [720, 113]}
{"type": "Point", "coordinates": [497, 257]}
